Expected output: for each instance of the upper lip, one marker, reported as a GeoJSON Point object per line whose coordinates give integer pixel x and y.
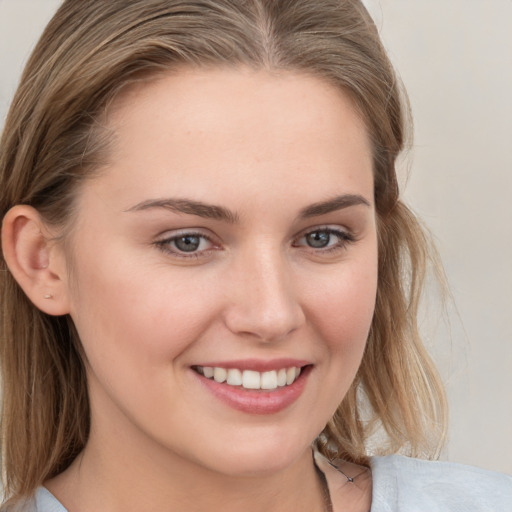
{"type": "Point", "coordinates": [258, 365]}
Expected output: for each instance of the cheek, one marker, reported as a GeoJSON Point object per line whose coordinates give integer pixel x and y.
{"type": "Point", "coordinates": [125, 312]}
{"type": "Point", "coordinates": [340, 309]}
{"type": "Point", "coordinates": [135, 327]}
{"type": "Point", "coordinates": [342, 305]}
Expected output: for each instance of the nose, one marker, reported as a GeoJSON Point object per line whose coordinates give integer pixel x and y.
{"type": "Point", "coordinates": [263, 302]}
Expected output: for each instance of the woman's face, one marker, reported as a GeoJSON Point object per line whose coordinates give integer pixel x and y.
{"type": "Point", "coordinates": [232, 234]}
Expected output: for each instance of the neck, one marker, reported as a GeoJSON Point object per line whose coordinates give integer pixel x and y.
{"type": "Point", "coordinates": [121, 476]}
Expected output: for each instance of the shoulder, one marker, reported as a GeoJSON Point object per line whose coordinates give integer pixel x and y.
{"type": "Point", "coordinates": [43, 501]}
{"type": "Point", "coordinates": [413, 485]}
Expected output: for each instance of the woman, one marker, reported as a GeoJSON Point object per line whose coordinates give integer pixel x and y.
{"type": "Point", "coordinates": [211, 284]}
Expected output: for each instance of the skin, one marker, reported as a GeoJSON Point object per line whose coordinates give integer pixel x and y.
{"type": "Point", "coordinates": [266, 147]}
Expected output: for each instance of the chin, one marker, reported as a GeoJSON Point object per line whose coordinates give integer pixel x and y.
{"type": "Point", "coordinates": [266, 456]}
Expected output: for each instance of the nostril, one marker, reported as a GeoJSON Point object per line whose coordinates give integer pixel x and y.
{"type": "Point", "coordinates": [273, 324]}
{"type": "Point", "coordinates": [262, 301]}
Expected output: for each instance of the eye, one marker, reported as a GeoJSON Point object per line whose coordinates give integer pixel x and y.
{"type": "Point", "coordinates": [186, 244]}
{"type": "Point", "coordinates": [319, 239]}
{"type": "Point", "coordinates": [325, 239]}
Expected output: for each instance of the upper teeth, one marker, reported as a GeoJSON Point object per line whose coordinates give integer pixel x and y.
{"type": "Point", "coordinates": [250, 379]}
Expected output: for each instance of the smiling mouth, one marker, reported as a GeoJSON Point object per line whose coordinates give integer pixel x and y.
{"type": "Point", "coordinates": [250, 379]}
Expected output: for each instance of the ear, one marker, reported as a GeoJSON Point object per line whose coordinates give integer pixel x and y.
{"type": "Point", "coordinates": [35, 260]}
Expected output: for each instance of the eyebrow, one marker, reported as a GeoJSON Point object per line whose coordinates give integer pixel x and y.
{"type": "Point", "coordinates": [210, 211]}
{"type": "Point", "coordinates": [190, 207]}
{"type": "Point", "coordinates": [332, 205]}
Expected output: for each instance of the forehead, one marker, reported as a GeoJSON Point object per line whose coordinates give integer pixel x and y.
{"type": "Point", "coordinates": [201, 129]}
{"type": "Point", "coordinates": [192, 98]}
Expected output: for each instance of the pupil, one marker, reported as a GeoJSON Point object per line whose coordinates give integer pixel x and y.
{"type": "Point", "coordinates": [187, 243]}
{"type": "Point", "coordinates": [318, 239]}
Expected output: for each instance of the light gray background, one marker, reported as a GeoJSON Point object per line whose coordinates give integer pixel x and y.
{"type": "Point", "coordinates": [455, 58]}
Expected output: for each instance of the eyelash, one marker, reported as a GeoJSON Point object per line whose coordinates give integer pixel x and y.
{"type": "Point", "coordinates": [164, 245]}
{"type": "Point", "coordinates": [344, 239]}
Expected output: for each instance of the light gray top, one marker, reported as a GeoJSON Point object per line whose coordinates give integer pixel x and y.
{"type": "Point", "coordinates": [402, 484]}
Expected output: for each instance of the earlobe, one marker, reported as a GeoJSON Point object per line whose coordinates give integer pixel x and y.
{"type": "Point", "coordinates": [34, 260]}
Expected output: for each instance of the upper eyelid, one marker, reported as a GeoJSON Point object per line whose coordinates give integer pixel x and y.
{"type": "Point", "coordinates": [170, 234]}
{"type": "Point", "coordinates": [205, 233]}
{"type": "Point", "coordinates": [326, 227]}
{"type": "Point", "coordinates": [345, 238]}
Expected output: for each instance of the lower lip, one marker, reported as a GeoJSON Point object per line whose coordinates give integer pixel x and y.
{"type": "Point", "coordinates": [257, 401]}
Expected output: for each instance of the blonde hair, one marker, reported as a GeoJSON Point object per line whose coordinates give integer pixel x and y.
{"type": "Point", "coordinates": [53, 140]}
